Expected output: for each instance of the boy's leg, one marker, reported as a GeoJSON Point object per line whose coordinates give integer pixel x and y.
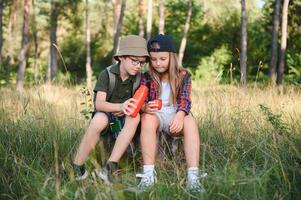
{"type": "Point", "coordinates": [124, 138]}
{"type": "Point", "coordinates": [98, 123]}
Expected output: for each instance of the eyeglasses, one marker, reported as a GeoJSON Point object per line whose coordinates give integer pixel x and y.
{"type": "Point", "coordinates": [136, 62]}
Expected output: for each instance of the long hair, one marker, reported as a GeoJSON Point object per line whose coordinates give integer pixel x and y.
{"type": "Point", "coordinates": [173, 76]}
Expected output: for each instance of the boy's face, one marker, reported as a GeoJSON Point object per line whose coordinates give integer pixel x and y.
{"type": "Point", "coordinates": [132, 64]}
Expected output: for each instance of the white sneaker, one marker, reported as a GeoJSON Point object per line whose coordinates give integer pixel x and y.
{"type": "Point", "coordinates": [103, 174]}
{"type": "Point", "coordinates": [147, 180]}
{"type": "Point", "coordinates": [194, 184]}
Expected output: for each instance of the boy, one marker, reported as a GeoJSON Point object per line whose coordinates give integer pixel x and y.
{"type": "Point", "coordinates": [131, 56]}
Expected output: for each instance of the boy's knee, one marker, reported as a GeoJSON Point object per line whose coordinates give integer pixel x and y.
{"type": "Point", "coordinates": [133, 120]}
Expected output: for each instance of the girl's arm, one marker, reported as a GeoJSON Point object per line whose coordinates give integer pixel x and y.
{"type": "Point", "coordinates": [184, 99]}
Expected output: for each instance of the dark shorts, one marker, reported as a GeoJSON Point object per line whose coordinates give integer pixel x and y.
{"type": "Point", "coordinates": [110, 128]}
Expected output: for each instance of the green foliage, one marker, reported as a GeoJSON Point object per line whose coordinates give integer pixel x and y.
{"type": "Point", "coordinates": [275, 120]}
{"type": "Point", "coordinates": [211, 68]}
{"type": "Point", "coordinates": [294, 67]}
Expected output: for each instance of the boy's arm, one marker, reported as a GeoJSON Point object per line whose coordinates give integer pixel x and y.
{"type": "Point", "coordinates": [126, 107]}
{"type": "Point", "coordinates": [102, 105]}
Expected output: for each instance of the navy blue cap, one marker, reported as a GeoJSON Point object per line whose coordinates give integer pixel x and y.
{"type": "Point", "coordinates": [161, 43]}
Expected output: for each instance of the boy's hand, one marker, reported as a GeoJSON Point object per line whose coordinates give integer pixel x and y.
{"type": "Point", "coordinates": [177, 123]}
{"type": "Point", "coordinates": [118, 114]}
{"type": "Point", "coordinates": [128, 106]}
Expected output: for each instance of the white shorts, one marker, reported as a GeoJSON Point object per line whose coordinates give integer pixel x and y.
{"type": "Point", "coordinates": [166, 115]}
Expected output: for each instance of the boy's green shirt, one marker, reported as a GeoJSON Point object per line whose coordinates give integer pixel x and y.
{"type": "Point", "coordinates": [122, 90]}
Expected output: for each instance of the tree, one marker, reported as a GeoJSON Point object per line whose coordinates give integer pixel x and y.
{"type": "Point", "coordinates": [52, 64]}
{"type": "Point", "coordinates": [186, 28]}
{"type": "Point", "coordinates": [161, 17]}
{"type": "Point", "coordinates": [141, 17]}
{"type": "Point", "coordinates": [1, 36]}
{"type": "Point", "coordinates": [24, 46]}
{"type": "Point", "coordinates": [283, 42]}
{"type": "Point", "coordinates": [119, 26]}
{"type": "Point", "coordinates": [149, 19]}
{"type": "Point", "coordinates": [35, 40]}
{"type": "Point", "coordinates": [274, 53]}
{"type": "Point", "coordinates": [88, 49]}
{"type": "Point", "coordinates": [243, 51]}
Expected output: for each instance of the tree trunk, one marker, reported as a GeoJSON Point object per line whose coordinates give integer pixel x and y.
{"type": "Point", "coordinates": [119, 26]}
{"type": "Point", "coordinates": [274, 54]}
{"type": "Point", "coordinates": [186, 28]}
{"type": "Point", "coordinates": [149, 19]}
{"type": "Point", "coordinates": [116, 8]}
{"type": "Point", "coordinates": [88, 49]}
{"type": "Point", "coordinates": [35, 39]}
{"type": "Point", "coordinates": [161, 17]}
{"type": "Point", "coordinates": [52, 64]}
{"type": "Point", "coordinates": [7, 77]}
{"type": "Point", "coordinates": [283, 42]}
{"type": "Point", "coordinates": [11, 23]}
{"type": "Point", "coordinates": [141, 17]}
{"type": "Point", "coordinates": [243, 51]}
{"type": "Point", "coordinates": [24, 46]}
{"type": "Point", "coordinates": [1, 36]}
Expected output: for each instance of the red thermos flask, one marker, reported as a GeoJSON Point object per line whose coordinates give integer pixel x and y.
{"type": "Point", "coordinates": [140, 95]}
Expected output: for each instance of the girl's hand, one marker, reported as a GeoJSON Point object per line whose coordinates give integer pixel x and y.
{"type": "Point", "coordinates": [150, 107]}
{"type": "Point", "coordinates": [128, 106]}
{"type": "Point", "coordinates": [176, 125]}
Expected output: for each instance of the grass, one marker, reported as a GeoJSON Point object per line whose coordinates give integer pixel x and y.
{"type": "Point", "coordinates": [251, 146]}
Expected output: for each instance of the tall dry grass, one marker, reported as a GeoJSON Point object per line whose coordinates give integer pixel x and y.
{"type": "Point", "coordinates": [251, 146]}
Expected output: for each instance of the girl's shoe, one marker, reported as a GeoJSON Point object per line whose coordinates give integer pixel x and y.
{"type": "Point", "coordinates": [147, 181]}
{"type": "Point", "coordinates": [194, 184]}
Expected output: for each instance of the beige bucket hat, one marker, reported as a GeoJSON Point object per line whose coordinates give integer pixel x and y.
{"type": "Point", "coordinates": [132, 45]}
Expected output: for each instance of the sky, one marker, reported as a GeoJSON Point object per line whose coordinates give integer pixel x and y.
{"type": "Point", "coordinates": [260, 3]}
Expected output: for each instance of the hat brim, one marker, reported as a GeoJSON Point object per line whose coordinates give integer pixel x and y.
{"type": "Point", "coordinates": [140, 52]}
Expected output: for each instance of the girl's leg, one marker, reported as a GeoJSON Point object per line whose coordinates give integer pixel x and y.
{"type": "Point", "coordinates": [148, 138]}
{"type": "Point", "coordinates": [192, 153]}
{"type": "Point", "coordinates": [91, 137]}
{"type": "Point", "coordinates": [191, 141]}
{"type": "Point", "coordinates": [124, 138]}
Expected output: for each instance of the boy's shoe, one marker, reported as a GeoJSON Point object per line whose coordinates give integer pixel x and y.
{"type": "Point", "coordinates": [80, 172]}
{"type": "Point", "coordinates": [106, 173]}
{"type": "Point", "coordinates": [81, 177]}
{"type": "Point", "coordinates": [195, 186]}
{"type": "Point", "coordinates": [147, 181]}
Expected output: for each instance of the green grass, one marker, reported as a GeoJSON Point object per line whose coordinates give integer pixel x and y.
{"type": "Point", "coordinates": [251, 146]}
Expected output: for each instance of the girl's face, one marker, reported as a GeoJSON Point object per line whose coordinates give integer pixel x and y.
{"type": "Point", "coordinates": [160, 61]}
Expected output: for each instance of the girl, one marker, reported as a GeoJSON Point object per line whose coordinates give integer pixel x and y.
{"type": "Point", "coordinates": [172, 84]}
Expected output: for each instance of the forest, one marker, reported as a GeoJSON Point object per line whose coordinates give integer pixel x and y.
{"type": "Point", "coordinates": [245, 61]}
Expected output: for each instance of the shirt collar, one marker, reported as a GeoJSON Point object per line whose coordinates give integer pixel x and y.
{"type": "Point", "coordinates": [116, 70]}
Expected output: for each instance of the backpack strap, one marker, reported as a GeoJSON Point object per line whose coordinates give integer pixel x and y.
{"type": "Point", "coordinates": [112, 80]}
{"type": "Point", "coordinates": [136, 83]}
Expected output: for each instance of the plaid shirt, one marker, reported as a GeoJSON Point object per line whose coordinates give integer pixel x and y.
{"type": "Point", "coordinates": [183, 96]}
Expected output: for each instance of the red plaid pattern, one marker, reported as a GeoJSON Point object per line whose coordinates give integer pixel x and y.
{"type": "Point", "coordinates": [183, 96]}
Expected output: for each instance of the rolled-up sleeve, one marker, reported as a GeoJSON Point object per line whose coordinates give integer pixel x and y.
{"type": "Point", "coordinates": [184, 99]}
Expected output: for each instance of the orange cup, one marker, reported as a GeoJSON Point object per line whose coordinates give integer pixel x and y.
{"type": "Point", "coordinates": [157, 104]}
